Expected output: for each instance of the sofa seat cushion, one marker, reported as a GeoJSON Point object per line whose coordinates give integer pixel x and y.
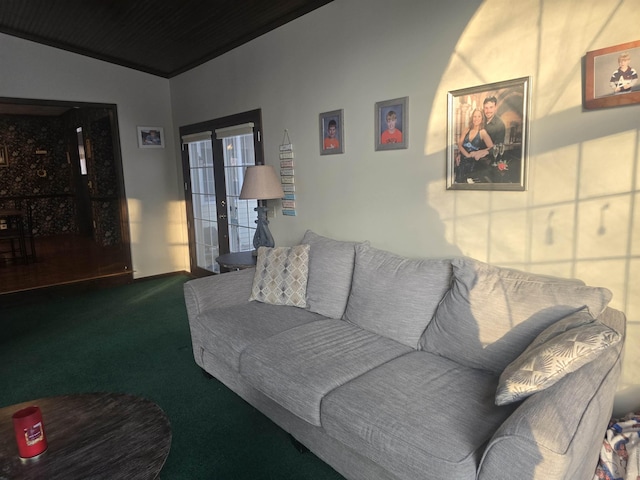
{"type": "Point", "coordinates": [419, 416]}
{"type": "Point", "coordinates": [298, 367]}
{"type": "Point", "coordinates": [226, 332]}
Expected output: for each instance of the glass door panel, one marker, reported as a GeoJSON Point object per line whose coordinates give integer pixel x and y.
{"type": "Point", "coordinates": [203, 199]}
{"type": "Point", "coordinates": [238, 154]}
{"type": "Point", "coordinates": [215, 156]}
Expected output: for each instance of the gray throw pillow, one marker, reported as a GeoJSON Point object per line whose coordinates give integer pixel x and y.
{"type": "Point", "coordinates": [562, 348]}
{"type": "Point", "coordinates": [490, 314]}
{"type": "Point", "coordinates": [330, 273]}
{"type": "Point", "coordinates": [281, 276]}
{"type": "Point", "coordinates": [396, 296]}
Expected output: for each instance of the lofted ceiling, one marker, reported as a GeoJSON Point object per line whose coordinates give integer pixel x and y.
{"type": "Point", "coordinates": [160, 37]}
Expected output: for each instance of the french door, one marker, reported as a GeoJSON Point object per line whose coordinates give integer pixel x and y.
{"type": "Point", "coordinates": [215, 156]}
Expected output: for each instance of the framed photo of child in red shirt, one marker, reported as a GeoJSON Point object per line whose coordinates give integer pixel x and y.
{"type": "Point", "coordinates": [331, 132]}
{"type": "Point", "coordinates": [611, 76]}
{"type": "Point", "coordinates": [392, 124]}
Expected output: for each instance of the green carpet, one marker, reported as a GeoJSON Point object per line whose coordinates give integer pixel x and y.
{"type": "Point", "coordinates": [135, 339]}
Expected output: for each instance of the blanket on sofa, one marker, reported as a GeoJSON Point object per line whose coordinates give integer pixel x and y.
{"type": "Point", "coordinates": [620, 454]}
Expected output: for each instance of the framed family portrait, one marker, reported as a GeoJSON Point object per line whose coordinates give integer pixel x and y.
{"type": "Point", "coordinates": [392, 127]}
{"type": "Point", "coordinates": [611, 76]}
{"type": "Point", "coordinates": [4, 156]}
{"type": "Point", "coordinates": [331, 132]}
{"type": "Point", "coordinates": [150, 137]}
{"type": "Point", "coordinates": [488, 136]}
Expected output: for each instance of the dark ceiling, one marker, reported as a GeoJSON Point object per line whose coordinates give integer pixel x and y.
{"type": "Point", "coordinates": [161, 37]}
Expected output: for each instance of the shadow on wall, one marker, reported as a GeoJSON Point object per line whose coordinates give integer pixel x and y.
{"type": "Point", "coordinates": [580, 216]}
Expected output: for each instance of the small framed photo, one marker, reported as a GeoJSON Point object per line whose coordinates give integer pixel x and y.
{"type": "Point", "coordinates": [611, 76]}
{"type": "Point", "coordinates": [331, 132]}
{"type": "Point", "coordinates": [150, 137]}
{"type": "Point", "coordinates": [392, 124]}
{"type": "Point", "coordinates": [488, 136]}
{"type": "Point", "coordinates": [4, 156]}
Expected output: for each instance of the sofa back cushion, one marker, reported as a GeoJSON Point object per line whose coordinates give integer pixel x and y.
{"type": "Point", "coordinates": [396, 296]}
{"type": "Point", "coordinates": [330, 272]}
{"type": "Point", "coordinates": [491, 314]}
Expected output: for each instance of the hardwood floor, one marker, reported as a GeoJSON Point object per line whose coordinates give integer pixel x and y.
{"type": "Point", "coordinates": [64, 260]}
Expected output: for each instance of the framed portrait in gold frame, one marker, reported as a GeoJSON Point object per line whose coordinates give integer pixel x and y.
{"type": "Point", "coordinates": [611, 76]}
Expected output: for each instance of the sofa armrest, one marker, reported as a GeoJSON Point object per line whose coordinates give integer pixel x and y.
{"type": "Point", "coordinates": [215, 291]}
{"type": "Point", "coordinates": [557, 433]}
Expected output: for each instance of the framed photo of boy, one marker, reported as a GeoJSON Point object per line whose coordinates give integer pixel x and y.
{"type": "Point", "coordinates": [150, 137]}
{"type": "Point", "coordinates": [611, 76]}
{"type": "Point", "coordinates": [4, 156]}
{"type": "Point", "coordinates": [392, 124]}
{"type": "Point", "coordinates": [331, 132]}
{"type": "Point", "coordinates": [488, 136]}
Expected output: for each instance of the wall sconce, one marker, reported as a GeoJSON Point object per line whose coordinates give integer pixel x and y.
{"type": "Point", "coordinates": [261, 183]}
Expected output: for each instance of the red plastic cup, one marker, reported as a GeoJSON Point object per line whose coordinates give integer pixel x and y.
{"type": "Point", "coordinates": [29, 430]}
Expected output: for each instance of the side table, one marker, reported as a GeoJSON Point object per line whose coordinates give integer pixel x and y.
{"type": "Point", "coordinates": [237, 260]}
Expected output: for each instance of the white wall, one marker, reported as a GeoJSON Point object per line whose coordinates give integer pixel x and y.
{"type": "Point", "coordinates": [352, 53]}
{"type": "Point", "coordinates": [155, 201]}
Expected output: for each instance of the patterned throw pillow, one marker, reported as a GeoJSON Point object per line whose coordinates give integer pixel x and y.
{"type": "Point", "coordinates": [281, 276]}
{"type": "Point", "coordinates": [560, 349]}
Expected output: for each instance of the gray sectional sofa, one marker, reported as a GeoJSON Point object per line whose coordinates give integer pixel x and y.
{"type": "Point", "coordinates": [393, 368]}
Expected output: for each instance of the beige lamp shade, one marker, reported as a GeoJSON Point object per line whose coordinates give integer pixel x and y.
{"type": "Point", "coordinates": [261, 183]}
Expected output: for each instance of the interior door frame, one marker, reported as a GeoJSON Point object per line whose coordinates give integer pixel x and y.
{"type": "Point", "coordinates": [253, 116]}
{"type": "Point", "coordinates": [40, 107]}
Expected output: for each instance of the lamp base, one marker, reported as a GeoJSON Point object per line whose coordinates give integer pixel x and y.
{"type": "Point", "coordinates": [262, 237]}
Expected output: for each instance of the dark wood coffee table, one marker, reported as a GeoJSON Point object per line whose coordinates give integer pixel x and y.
{"type": "Point", "coordinates": [95, 435]}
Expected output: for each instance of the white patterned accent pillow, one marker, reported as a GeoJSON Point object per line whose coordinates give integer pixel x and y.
{"type": "Point", "coordinates": [281, 276]}
{"type": "Point", "coordinates": [560, 349]}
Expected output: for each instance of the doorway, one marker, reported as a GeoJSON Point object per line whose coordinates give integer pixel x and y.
{"type": "Point", "coordinates": [215, 156]}
{"type": "Point", "coordinates": [79, 213]}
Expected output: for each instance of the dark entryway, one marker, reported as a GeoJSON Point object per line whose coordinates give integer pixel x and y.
{"type": "Point", "coordinates": [65, 167]}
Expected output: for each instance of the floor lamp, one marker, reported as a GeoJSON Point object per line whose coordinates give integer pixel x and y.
{"type": "Point", "coordinates": [261, 183]}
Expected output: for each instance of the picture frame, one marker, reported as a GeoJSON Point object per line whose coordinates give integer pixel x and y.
{"type": "Point", "coordinates": [498, 158]}
{"type": "Point", "coordinates": [332, 132]}
{"type": "Point", "coordinates": [150, 137]}
{"type": "Point", "coordinates": [392, 124]}
{"type": "Point", "coordinates": [4, 156]}
{"type": "Point", "coordinates": [604, 84]}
